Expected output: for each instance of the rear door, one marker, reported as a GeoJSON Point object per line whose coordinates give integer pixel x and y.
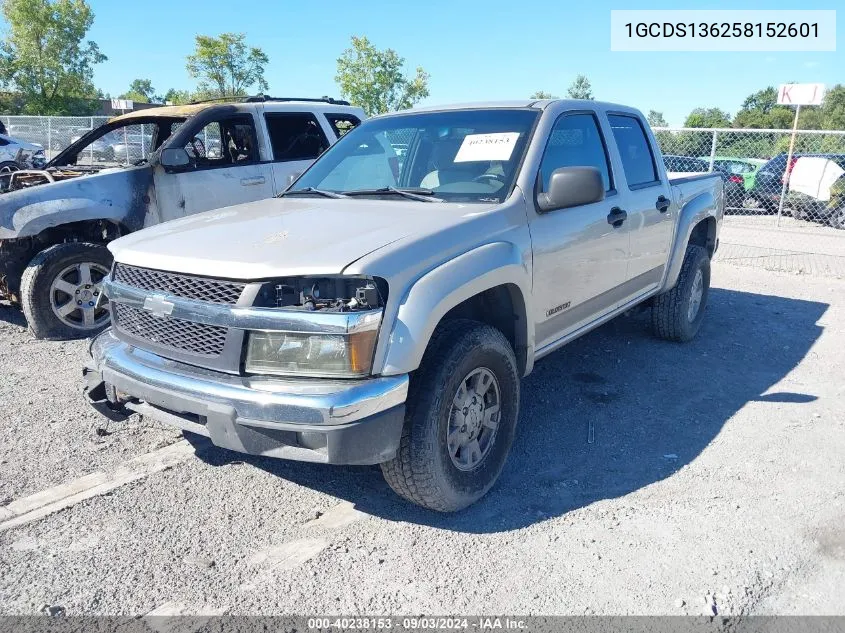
{"type": "Point", "coordinates": [296, 140]}
{"type": "Point", "coordinates": [580, 258]}
{"type": "Point", "coordinates": [647, 197]}
{"type": "Point", "coordinates": [227, 170]}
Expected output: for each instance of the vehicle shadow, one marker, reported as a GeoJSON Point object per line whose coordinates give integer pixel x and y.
{"type": "Point", "coordinates": [11, 314]}
{"type": "Point", "coordinates": [608, 414]}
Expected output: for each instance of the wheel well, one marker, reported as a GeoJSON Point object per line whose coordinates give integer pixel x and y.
{"type": "Point", "coordinates": [704, 235]}
{"type": "Point", "coordinates": [17, 253]}
{"type": "Point", "coordinates": [502, 307]}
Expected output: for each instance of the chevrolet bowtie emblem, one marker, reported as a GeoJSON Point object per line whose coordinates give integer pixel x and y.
{"type": "Point", "coordinates": [158, 306]}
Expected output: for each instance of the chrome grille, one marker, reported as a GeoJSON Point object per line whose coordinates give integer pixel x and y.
{"type": "Point", "coordinates": [179, 285]}
{"type": "Point", "coordinates": [197, 338]}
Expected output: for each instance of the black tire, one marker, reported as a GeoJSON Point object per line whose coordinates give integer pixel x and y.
{"type": "Point", "coordinates": [837, 218]}
{"type": "Point", "coordinates": [37, 281]}
{"type": "Point", "coordinates": [423, 470]}
{"type": "Point", "coordinates": [670, 314]}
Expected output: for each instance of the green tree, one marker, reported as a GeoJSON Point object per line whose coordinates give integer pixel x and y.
{"type": "Point", "coordinates": [542, 94]}
{"type": "Point", "coordinates": [373, 79]}
{"type": "Point", "coordinates": [760, 110]}
{"type": "Point", "coordinates": [141, 91]}
{"type": "Point", "coordinates": [225, 66]}
{"type": "Point", "coordinates": [44, 55]}
{"type": "Point", "coordinates": [833, 108]}
{"type": "Point", "coordinates": [177, 97]}
{"type": "Point", "coordinates": [708, 117]}
{"type": "Point", "coordinates": [580, 88]}
{"type": "Point", "coordinates": [656, 119]}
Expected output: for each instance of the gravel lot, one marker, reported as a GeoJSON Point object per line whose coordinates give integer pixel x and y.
{"type": "Point", "coordinates": [714, 483]}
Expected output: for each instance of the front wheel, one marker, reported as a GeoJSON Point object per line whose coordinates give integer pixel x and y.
{"type": "Point", "coordinates": [461, 418]}
{"type": "Point", "coordinates": [61, 291]}
{"type": "Point", "coordinates": [677, 314]}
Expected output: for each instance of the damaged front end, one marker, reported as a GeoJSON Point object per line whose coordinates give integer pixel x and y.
{"type": "Point", "coordinates": [278, 368]}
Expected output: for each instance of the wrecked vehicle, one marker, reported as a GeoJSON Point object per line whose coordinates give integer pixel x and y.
{"type": "Point", "coordinates": [16, 154]}
{"type": "Point", "coordinates": [138, 170]}
{"type": "Point", "coordinates": [399, 336]}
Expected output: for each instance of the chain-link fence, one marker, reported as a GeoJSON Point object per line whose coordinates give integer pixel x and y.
{"type": "Point", "coordinates": [53, 133]}
{"type": "Point", "coordinates": [753, 164]}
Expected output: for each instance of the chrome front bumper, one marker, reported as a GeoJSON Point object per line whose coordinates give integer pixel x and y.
{"type": "Point", "coordinates": [331, 421]}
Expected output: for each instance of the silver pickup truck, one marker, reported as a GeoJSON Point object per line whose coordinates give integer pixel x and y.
{"type": "Point", "coordinates": [383, 309]}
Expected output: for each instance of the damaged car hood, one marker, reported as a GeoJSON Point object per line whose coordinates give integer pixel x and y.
{"type": "Point", "coordinates": [283, 236]}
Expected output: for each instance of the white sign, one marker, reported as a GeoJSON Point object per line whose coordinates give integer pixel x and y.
{"type": "Point", "coordinates": [122, 104]}
{"type": "Point", "coordinates": [801, 94]}
{"type": "Point", "coordinates": [498, 146]}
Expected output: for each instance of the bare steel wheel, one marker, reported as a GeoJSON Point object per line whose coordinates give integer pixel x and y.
{"type": "Point", "coordinates": [474, 418]}
{"type": "Point", "coordinates": [62, 291]}
{"type": "Point", "coordinates": [76, 296]}
{"type": "Point", "coordinates": [696, 294]}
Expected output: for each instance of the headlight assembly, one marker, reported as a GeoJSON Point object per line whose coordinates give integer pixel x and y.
{"type": "Point", "coordinates": [310, 354]}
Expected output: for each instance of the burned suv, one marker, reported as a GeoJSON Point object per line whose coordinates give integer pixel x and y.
{"type": "Point", "coordinates": [138, 170]}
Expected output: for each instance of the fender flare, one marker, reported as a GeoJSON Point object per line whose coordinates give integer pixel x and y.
{"type": "Point", "coordinates": [431, 296]}
{"type": "Point", "coordinates": [704, 205]}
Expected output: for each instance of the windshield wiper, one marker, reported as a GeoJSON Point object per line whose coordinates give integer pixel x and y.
{"type": "Point", "coordinates": [312, 190]}
{"type": "Point", "coordinates": [412, 193]}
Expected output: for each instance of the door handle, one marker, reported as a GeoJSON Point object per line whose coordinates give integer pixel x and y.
{"type": "Point", "coordinates": [247, 182]}
{"type": "Point", "coordinates": [616, 217]}
{"type": "Point", "coordinates": [662, 204]}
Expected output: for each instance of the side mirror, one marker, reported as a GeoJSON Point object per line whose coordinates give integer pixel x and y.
{"type": "Point", "coordinates": [292, 177]}
{"type": "Point", "coordinates": [174, 158]}
{"type": "Point", "coordinates": [572, 187]}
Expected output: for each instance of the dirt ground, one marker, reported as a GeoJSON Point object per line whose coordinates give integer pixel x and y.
{"type": "Point", "coordinates": [646, 478]}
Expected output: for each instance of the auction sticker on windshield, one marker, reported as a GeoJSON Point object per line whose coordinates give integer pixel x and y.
{"type": "Point", "coordinates": [498, 146]}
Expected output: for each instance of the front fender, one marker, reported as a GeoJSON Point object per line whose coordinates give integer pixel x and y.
{"type": "Point", "coordinates": [703, 206]}
{"type": "Point", "coordinates": [121, 196]}
{"type": "Point", "coordinates": [441, 289]}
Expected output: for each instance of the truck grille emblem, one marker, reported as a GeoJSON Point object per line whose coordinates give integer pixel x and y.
{"type": "Point", "coordinates": [158, 306]}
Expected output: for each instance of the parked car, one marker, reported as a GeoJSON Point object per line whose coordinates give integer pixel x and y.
{"type": "Point", "coordinates": [745, 167]}
{"type": "Point", "coordinates": [16, 154]}
{"type": "Point", "coordinates": [811, 189]}
{"type": "Point", "coordinates": [733, 184]}
{"type": "Point", "coordinates": [55, 223]}
{"type": "Point", "coordinates": [769, 180]}
{"type": "Point", "coordinates": [382, 315]}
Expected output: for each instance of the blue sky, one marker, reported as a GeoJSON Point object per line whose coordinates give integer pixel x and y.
{"type": "Point", "coordinates": [473, 50]}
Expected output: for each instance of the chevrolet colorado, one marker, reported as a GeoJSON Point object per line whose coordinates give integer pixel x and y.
{"type": "Point", "coordinates": [383, 309]}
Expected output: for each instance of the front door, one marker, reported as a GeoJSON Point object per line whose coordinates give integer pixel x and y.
{"type": "Point", "coordinates": [580, 258]}
{"type": "Point", "coordinates": [226, 170]}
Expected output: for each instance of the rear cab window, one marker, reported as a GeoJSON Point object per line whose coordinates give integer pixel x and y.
{"type": "Point", "coordinates": [635, 150]}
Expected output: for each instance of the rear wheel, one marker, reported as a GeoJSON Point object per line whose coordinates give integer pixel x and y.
{"type": "Point", "coordinates": [837, 218]}
{"type": "Point", "coordinates": [61, 291]}
{"type": "Point", "coordinates": [677, 314]}
{"type": "Point", "coordinates": [461, 418]}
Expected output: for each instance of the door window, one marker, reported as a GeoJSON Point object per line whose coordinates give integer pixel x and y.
{"type": "Point", "coordinates": [635, 150]}
{"type": "Point", "coordinates": [224, 143]}
{"type": "Point", "coordinates": [343, 123]}
{"type": "Point", "coordinates": [575, 141]}
{"type": "Point", "coordinates": [295, 136]}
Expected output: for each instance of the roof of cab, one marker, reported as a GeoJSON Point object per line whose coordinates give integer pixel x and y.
{"type": "Point", "coordinates": [165, 111]}
{"type": "Point", "coordinates": [540, 104]}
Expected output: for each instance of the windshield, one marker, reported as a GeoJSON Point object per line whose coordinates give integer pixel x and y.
{"type": "Point", "coordinates": [126, 144]}
{"type": "Point", "coordinates": [458, 156]}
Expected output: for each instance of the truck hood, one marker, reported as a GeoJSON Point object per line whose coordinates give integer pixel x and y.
{"type": "Point", "coordinates": [284, 236]}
